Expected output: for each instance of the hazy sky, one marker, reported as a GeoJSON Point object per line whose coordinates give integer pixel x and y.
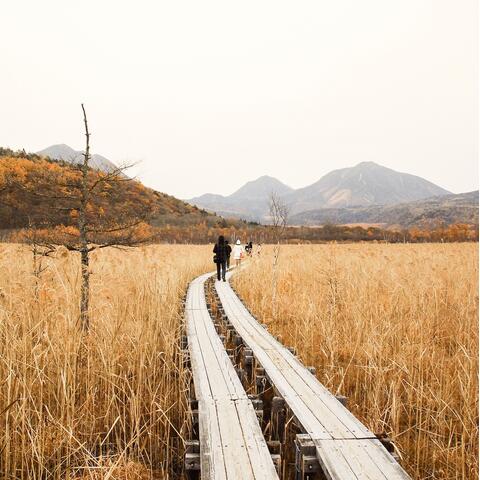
{"type": "Point", "coordinates": [208, 95]}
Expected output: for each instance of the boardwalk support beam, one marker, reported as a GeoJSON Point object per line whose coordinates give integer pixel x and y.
{"type": "Point", "coordinates": [387, 442]}
{"type": "Point", "coordinates": [306, 462]}
{"type": "Point", "coordinates": [192, 459]}
{"type": "Point", "coordinates": [278, 417]}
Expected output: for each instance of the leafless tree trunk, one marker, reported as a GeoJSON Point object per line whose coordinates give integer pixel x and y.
{"type": "Point", "coordinates": [279, 219]}
{"type": "Point", "coordinates": [82, 224]}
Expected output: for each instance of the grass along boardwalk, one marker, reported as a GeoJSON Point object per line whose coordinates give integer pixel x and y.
{"type": "Point", "coordinates": [238, 366]}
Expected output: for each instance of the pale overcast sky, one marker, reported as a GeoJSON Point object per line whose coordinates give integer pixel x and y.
{"type": "Point", "coordinates": [211, 94]}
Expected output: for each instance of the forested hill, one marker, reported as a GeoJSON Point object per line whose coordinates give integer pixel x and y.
{"type": "Point", "coordinates": [33, 189]}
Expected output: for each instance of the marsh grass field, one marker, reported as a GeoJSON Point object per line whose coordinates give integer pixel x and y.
{"type": "Point", "coordinates": [112, 405]}
{"type": "Point", "coordinates": [393, 327]}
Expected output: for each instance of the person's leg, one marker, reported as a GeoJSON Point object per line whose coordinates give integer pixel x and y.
{"type": "Point", "coordinates": [218, 271]}
{"type": "Point", "coordinates": [224, 269]}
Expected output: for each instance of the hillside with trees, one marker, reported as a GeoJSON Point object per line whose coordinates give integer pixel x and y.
{"type": "Point", "coordinates": [39, 201]}
{"type": "Point", "coordinates": [36, 190]}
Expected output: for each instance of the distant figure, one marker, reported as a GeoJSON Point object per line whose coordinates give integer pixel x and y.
{"type": "Point", "coordinates": [237, 253]}
{"type": "Point", "coordinates": [229, 252]}
{"type": "Point", "coordinates": [249, 248]}
{"type": "Point", "coordinates": [220, 257]}
{"type": "Point", "coordinates": [259, 249]}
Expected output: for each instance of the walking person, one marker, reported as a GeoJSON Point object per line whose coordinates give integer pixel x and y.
{"type": "Point", "coordinates": [220, 257]}
{"type": "Point", "coordinates": [237, 253]}
{"type": "Point", "coordinates": [229, 252]}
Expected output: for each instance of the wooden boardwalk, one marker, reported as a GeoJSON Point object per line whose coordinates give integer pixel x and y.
{"type": "Point", "coordinates": [343, 446]}
{"type": "Point", "coordinates": [232, 445]}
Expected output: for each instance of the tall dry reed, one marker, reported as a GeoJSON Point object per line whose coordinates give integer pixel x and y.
{"type": "Point", "coordinates": [112, 404]}
{"type": "Point", "coordinates": [393, 327]}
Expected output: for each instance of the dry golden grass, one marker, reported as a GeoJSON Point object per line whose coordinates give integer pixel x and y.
{"type": "Point", "coordinates": [114, 404]}
{"type": "Point", "coordinates": [393, 327]}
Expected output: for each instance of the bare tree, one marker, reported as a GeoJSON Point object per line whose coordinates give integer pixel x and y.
{"type": "Point", "coordinates": [86, 210]}
{"type": "Point", "coordinates": [279, 219]}
{"type": "Point", "coordinates": [82, 228]}
{"type": "Point", "coordinates": [120, 229]}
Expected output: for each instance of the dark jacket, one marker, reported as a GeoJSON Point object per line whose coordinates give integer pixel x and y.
{"type": "Point", "coordinates": [229, 250]}
{"type": "Point", "coordinates": [220, 250]}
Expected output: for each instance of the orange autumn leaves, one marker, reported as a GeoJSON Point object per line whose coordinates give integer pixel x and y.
{"type": "Point", "coordinates": [45, 196]}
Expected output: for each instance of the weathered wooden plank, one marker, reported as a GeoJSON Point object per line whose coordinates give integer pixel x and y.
{"type": "Point", "coordinates": [363, 459]}
{"type": "Point", "coordinates": [212, 460]}
{"type": "Point", "coordinates": [241, 442]}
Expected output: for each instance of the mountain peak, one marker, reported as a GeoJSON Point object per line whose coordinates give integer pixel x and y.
{"type": "Point", "coordinates": [62, 151]}
{"type": "Point", "coordinates": [249, 202]}
{"type": "Point", "coordinates": [261, 188]}
{"type": "Point", "coordinates": [368, 164]}
{"type": "Point", "coordinates": [367, 183]}
{"type": "Point", "coordinates": [266, 177]}
{"type": "Point", "coordinates": [62, 145]}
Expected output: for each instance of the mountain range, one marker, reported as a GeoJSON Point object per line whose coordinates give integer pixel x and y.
{"type": "Point", "coordinates": [367, 193]}
{"type": "Point", "coordinates": [363, 185]}
{"type": "Point", "coordinates": [68, 154]}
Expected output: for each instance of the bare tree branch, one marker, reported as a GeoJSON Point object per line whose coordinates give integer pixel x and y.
{"type": "Point", "coordinates": [278, 212]}
{"type": "Point", "coordinates": [116, 175]}
{"type": "Point", "coordinates": [279, 219]}
{"type": "Point", "coordinates": [120, 228]}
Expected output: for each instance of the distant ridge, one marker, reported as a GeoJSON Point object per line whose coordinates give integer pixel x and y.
{"type": "Point", "coordinates": [363, 185]}
{"type": "Point", "coordinates": [426, 213]}
{"type": "Point", "coordinates": [68, 154]}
